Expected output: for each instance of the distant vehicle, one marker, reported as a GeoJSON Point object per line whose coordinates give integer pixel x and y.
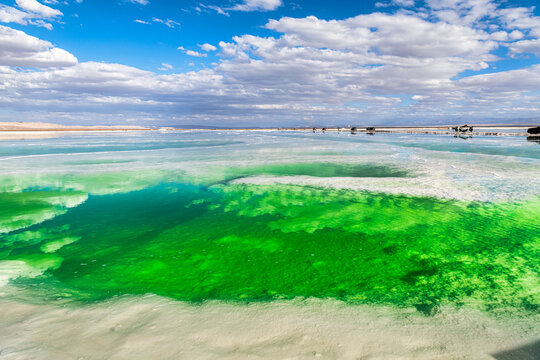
{"type": "Point", "coordinates": [353, 130]}
{"type": "Point", "coordinates": [463, 128]}
{"type": "Point", "coordinates": [534, 130]}
{"type": "Point", "coordinates": [370, 129]}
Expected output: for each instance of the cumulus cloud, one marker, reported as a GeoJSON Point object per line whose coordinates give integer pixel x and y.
{"type": "Point", "coordinates": [35, 7]}
{"type": "Point", "coordinates": [192, 52]}
{"type": "Point", "coordinates": [397, 35]}
{"type": "Point", "coordinates": [195, 53]}
{"type": "Point", "coordinates": [9, 14]}
{"type": "Point", "coordinates": [29, 12]}
{"type": "Point", "coordinates": [311, 70]}
{"type": "Point", "coordinates": [504, 82]}
{"type": "Point", "coordinates": [208, 47]}
{"type": "Point", "coordinates": [521, 18]}
{"type": "Point", "coordinates": [19, 49]}
{"type": "Point", "coordinates": [526, 46]}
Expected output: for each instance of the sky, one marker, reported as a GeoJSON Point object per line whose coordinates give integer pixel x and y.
{"type": "Point", "coordinates": [270, 62]}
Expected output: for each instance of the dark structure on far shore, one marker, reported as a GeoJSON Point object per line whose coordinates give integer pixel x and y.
{"type": "Point", "coordinates": [534, 130]}
{"type": "Point", "coordinates": [463, 128]}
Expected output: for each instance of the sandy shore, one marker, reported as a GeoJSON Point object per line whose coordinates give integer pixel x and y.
{"type": "Point", "coordinates": [24, 130]}
{"type": "Point", "coordinates": [36, 126]}
{"type": "Point", "coordinates": [153, 327]}
{"type": "Point", "coordinates": [32, 131]}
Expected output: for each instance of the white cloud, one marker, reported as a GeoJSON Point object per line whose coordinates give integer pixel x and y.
{"type": "Point", "coordinates": [195, 53]}
{"type": "Point", "coordinates": [503, 83]}
{"type": "Point", "coordinates": [37, 8]}
{"type": "Point", "coordinates": [29, 12]}
{"type": "Point", "coordinates": [526, 46]}
{"type": "Point", "coordinates": [404, 2]}
{"type": "Point", "coordinates": [19, 49]}
{"type": "Point", "coordinates": [141, 2]}
{"type": "Point", "coordinates": [245, 5]}
{"type": "Point", "coordinates": [204, 8]}
{"type": "Point", "coordinates": [9, 14]}
{"type": "Point", "coordinates": [521, 19]}
{"type": "Point", "coordinates": [257, 5]}
{"type": "Point", "coordinates": [42, 23]}
{"type": "Point", "coordinates": [168, 22]}
{"type": "Point", "coordinates": [311, 69]}
{"type": "Point", "coordinates": [515, 35]}
{"type": "Point", "coordinates": [141, 22]}
{"type": "Point", "coordinates": [398, 35]}
{"type": "Point", "coordinates": [165, 67]}
{"type": "Point", "coordinates": [208, 47]}
{"type": "Point", "coordinates": [192, 52]}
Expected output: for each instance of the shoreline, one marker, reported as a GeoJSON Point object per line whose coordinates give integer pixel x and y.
{"type": "Point", "coordinates": [30, 130]}
{"type": "Point", "coordinates": [460, 208]}
{"type": "Point", "coordinates": [130, 327]}
{"type": "Point", "coordinates": [35, 133]}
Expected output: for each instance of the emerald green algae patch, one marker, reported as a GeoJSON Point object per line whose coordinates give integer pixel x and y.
{"type": "Point", "coordinates": [22, 209]}
{"type": "Point", "coordinates": [252, 243]}
{"type": "Point", "coordinates": [321, 169]}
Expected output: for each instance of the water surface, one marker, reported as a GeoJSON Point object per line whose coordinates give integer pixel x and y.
{"type": "Point", "coordinates": [412, 226]}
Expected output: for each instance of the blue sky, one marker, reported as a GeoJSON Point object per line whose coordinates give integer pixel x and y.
{"type": "Point", "coordinates": [101, 30]}
{"type": "Point", "coordinates": [269, 62]}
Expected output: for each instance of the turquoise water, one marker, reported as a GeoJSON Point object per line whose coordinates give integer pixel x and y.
{"type": "Point", "coordinates": [403, 221]}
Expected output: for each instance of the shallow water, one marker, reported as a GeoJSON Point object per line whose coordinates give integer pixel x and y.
{"type": "Point", "coordinates": [414, 229]}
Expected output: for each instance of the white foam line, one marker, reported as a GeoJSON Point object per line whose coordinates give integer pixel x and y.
{"type": "Point", "coordinates": [97, 153]}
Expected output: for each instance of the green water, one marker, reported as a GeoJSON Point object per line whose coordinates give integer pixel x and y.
{"type": "Point", "coordinates": [159, 214]}
{"type": "Point", "coordinates": [320, 169]}
{"type": "Point", "coordinates": [22, 209]}
{"type": "Point", "coordinates": [252, 243]}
